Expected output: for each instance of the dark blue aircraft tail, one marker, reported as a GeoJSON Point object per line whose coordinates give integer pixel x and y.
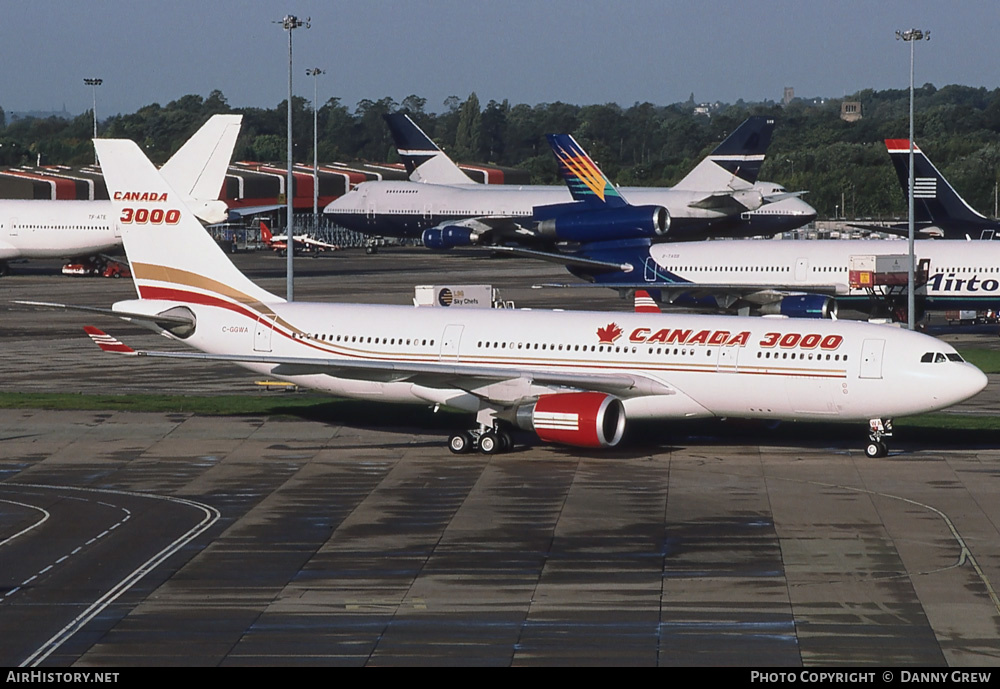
{"type": "Point", "coordinates": [737, 159]}
{"type": "Point", "coordinates": [585, 180]}
{"type": "Point", "coordinates": [935, 201]}
{"type": "Point", "coordinates": [424, 161]}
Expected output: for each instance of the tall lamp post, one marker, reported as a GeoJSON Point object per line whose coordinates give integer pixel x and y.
{"type": "Point", "coordinates": [94, 83]}
{"type": "Point", "coordinates": [289, 23]}
{"type": "Point", "coordinates": [314, 73]}
{"type": "Point", "coordinates": [911, 36]}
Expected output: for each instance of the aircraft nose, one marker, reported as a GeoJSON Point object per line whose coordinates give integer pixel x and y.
{"type": "Point", "coordinates": [967, 381]}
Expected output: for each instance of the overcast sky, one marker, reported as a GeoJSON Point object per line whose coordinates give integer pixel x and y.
{"type": "Point", "coordinates": [527, 51]}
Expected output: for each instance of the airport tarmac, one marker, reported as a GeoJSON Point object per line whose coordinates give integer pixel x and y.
{"type": "Point", "coordinates": [172, 539]}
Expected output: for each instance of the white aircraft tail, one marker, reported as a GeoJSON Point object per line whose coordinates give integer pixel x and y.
{"type": "Point", "coordinates": [171, 255]}
{"type": "Point", "coordinates": [197, 170]}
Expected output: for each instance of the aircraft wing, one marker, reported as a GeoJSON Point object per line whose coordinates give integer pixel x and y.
{"type": "Point", "coordinates": [565, 259]}
{"type": "Point", "coordinates": [428, 374]}
{"type": "Point", "coordinates": [725, 295]}
{"type": "Point", "coordinates": [920, 232]}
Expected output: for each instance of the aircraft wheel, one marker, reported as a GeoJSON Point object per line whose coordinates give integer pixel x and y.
{"type": "Point", "coordinates": [460, 443]}
{"type": "Point", "coordinates": [371, 250]}
{"type": "Point", "coordinates": [490, 443]}
{"type": "Point", "coordinates": [506, 441]}
{"type": "Point", "coordinates": [875, 449]}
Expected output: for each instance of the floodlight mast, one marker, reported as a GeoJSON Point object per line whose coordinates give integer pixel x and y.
{"type": "Point", "coordinates": [911, 36]}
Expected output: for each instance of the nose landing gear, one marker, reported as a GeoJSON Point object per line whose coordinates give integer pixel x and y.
{"type": "Point", "coordinates": [877, 430]}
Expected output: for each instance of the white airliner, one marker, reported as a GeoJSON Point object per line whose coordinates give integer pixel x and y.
{"type": "Point", "coordinates": [65, 229]}
{"type": "Point", "coordinates": [571, 377]}
{"type": "Point", "coordinates": [798, 278]}
{"type": "Point", "coordinates": [719, 197]}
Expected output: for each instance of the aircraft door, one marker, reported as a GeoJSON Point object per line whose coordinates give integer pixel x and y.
{"type": "Point", "coordinates": [649, 275]}
{"type": "Point", "coordinates": [801, 269]}
{"type": "Point", "coordinates": [871, 358]}
{"type": "Point", "coordinates": [262, 335]}
{"type": "Point", "coordinates": [13, 227]}
{"type": "Point", "coordinates": [449, 342]}
{"type": "Point", "coordinates": [728, 361]}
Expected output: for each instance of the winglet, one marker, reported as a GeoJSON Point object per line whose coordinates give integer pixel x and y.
{"type": "Point", "coordinates": [645, 303]}
{"type": "Point", "coordinates": [265, 233]}
{"type": "Point", "coordinates": [106, 342]}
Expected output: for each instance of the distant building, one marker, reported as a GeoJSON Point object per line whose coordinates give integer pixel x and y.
{"type": "Point", "coordinates": [789, 95]}
{"type": "Point", "coordinates": [850, 110]}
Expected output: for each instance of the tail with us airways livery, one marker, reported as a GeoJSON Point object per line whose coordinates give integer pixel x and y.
{"type": "Point", "coordinates": [570, 377]}
{"type": "Point", "coordinates": [938, 210]}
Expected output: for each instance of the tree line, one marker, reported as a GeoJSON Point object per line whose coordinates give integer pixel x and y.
{"type": "Point", "coordinates": [843, 165]}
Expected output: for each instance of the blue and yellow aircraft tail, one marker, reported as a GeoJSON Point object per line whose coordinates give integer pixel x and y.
{"type": "Point", "coordinates": [585, 180]}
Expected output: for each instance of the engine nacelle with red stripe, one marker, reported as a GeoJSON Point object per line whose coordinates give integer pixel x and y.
{"type": "Point", "coordinates": [580, 419]}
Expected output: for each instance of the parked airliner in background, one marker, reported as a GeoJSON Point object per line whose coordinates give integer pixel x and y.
{"type": "Point", "coordinates": [67, 229]}
{"type": "Point", "coordinates": [720, 197]}
{"type": "Point", "coordinates": [799, 278]}
{"type": "Point", "coordinates": [938, 210]}
{"type": "Point", "coordinates": [572, 377]}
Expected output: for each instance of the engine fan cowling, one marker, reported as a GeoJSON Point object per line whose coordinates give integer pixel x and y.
{"type": "Point", "coordinates": [630, 222]}
{"type": "Point", "coordinates": [579, 419]}
{"type": "Point", "coordinates": [803, 306]}
{"type": "Point", "coordinates": [447, 237]}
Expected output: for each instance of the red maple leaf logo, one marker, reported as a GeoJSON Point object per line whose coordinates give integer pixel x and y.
{"type": "Point", "coordinates": [609, 333]}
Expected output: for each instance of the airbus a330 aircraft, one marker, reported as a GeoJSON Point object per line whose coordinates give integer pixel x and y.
{"type": "Point", "coordinates": [571, 377]}
{"type": "Point", "coordinates": [938, 210]}
{"type": "Point", "coordinates": [65, 229]}
{"type": "Point", "coordinates": [720, 197]}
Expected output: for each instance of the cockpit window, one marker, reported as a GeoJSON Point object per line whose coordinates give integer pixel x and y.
{"type": "Point", "coordinates": [938, 357]}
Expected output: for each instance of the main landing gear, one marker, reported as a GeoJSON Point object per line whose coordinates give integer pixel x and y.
{"type": "Point", "coordinates": [490, 441]}
{"type": "Point", "coordinates": [877, 430]}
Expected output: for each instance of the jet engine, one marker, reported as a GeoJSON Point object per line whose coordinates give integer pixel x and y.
{"type": "Point", "coordinates": [448, 237]}
{"type": "Point", "coordinates": [629, 222]}
{"type": "Point", "coordinates": [580, 419]}
{"type": "Point", "coordinates": [803, 306]}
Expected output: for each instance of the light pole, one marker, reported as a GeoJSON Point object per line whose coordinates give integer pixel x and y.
{"type": "Point", "coordinates": [289, 23]}
{"type": "Point", "coordinates": [94, 83]}
{"type": "Point", "coordinates": [314, 73]}
{"type": "Point", "coordinates": [911, 36]}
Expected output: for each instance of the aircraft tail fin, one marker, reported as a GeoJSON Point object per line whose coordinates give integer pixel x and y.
{"type": "Point", "coordinates": [265, 233]}
{"type": "Point", "coordinates": [736, 162]}
{"type": "Point", "coordinates": [197, 170]}
{"type": "Point", "coordinates": [171, 255]}
{"type": "Point", "coordinates": [585, 180]}
{"type": "Point", "coordinates": [934, 199]}
{"type": "Point", "coordinates": [424, 161]}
